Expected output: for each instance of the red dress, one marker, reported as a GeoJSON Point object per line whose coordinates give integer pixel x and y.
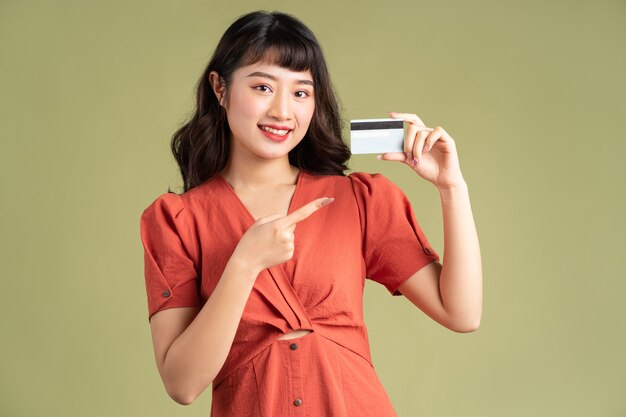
{"type": "Point", "coordinates": [368, 231]}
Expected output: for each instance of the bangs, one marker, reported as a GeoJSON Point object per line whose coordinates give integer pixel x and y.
{"type": "Point", "coordinates": [287, 51]}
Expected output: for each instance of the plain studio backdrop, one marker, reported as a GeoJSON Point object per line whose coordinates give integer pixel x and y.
{"type": "Point", "coordinates": [532, 92]}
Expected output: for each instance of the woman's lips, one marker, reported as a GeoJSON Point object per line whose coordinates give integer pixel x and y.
{"type": "Point", "coordinates": [274, 137]}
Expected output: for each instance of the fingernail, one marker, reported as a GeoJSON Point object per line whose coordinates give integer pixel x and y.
{"type": "Point", "coordinates": [415, 162]}
{"type": "Point", "coordinates": [410, 155]}
{"type": "Point", "coordinates": [327, 201]}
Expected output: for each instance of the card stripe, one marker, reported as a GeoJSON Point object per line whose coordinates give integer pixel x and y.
{"type": "Point", "coordinates": [392, 124]}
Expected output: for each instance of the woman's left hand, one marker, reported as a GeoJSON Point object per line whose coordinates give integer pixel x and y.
{"type": "Point", "coordinates": [429, 152]}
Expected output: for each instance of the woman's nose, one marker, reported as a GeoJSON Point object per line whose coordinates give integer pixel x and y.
{"type": "Point", "coordinates": [280, 107]}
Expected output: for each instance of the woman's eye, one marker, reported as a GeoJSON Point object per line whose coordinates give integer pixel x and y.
{"type": "Point", "coordinates": [263, 88]}
{"type": "Point", "coordinates": [302, 94]}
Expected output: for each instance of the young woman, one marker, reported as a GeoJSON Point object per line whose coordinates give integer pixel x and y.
{"type": "Point", "coordinates": [255, 274]}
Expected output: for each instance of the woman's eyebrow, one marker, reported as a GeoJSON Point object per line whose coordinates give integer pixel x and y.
{"type": "Point", "coordinates": [271, 77]}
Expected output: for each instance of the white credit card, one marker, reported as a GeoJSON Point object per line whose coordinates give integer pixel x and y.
{"type": "Point", "coordinates": [376, 135]}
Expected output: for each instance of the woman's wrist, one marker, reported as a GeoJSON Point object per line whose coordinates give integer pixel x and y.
{"type": "Point", "coordinates": [242, 267]}
{"type": "Point", "coordinates": [453, 187]}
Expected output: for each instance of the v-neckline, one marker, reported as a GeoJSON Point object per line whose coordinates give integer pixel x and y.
{"type": "Point", "coordinates": [243, 206]}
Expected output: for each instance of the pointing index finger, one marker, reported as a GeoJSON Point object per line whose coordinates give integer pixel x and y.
{"type": "Point", "coordinates": [306, 210]}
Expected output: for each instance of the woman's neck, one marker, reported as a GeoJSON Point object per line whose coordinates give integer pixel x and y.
{"type": "Point", "coordinates": [260, 173]}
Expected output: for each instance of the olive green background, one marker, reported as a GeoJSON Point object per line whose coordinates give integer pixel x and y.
{"type": "Point", "coordinates": [532, 92]}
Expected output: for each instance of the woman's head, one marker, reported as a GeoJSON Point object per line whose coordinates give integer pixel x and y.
{"type": "Point", "coordinates": [202, 146]}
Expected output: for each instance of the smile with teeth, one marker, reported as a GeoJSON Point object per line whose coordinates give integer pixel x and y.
{"type": "Point", "coordinates": [275, 131]}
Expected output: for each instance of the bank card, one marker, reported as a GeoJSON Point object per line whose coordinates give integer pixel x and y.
{"type": "Point", "coordinates": [376, 135]}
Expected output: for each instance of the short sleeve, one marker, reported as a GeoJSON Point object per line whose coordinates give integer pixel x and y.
{"type": "Point", "coordinates": [394, 245]}
{"type": "Point", "coordinates": [169, 251]}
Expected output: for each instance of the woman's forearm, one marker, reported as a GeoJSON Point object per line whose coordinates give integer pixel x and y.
{"type": "Point", "coordinates": [461, 275]}
{"type": "Point", "coordinates": [198, 354]}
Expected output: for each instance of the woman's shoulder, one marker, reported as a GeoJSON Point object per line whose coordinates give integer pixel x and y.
{"type": "Point", "coordinates": [202, 193]}
{"type": "Point", "coordinates": [367, 177]}
{"type": "Point", "coordinates": [366, 182]}
{"type": "Point", "coordinates": [356, 176]}
{"type": "Point", "coordinates": [363, 185]}
{"type": "Point", "coordinates": [169, 204]}
{"type": "Point", "coordinates": [190, 200]}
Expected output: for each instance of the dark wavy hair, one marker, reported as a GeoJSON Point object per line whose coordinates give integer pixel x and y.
{"type": "Point", "coordinates": [202, 145]}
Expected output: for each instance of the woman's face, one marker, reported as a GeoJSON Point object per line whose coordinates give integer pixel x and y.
{"type": "Point", "coordinates": [269, 109]}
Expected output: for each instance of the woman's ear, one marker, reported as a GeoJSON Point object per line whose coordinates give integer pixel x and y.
{"type": "Point", "coordinates": [219, 86]}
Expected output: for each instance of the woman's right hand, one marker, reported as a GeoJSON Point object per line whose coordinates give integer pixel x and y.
{"type": "Point", "coordinates": [270, 240]}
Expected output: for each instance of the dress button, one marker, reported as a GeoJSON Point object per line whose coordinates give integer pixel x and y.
{"type": "Point", "coordinates": [293, 346]}
{"type": "Point", "coordinates": [297, 402]}
{"type": "Point", "coordinates": [166, 293]}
